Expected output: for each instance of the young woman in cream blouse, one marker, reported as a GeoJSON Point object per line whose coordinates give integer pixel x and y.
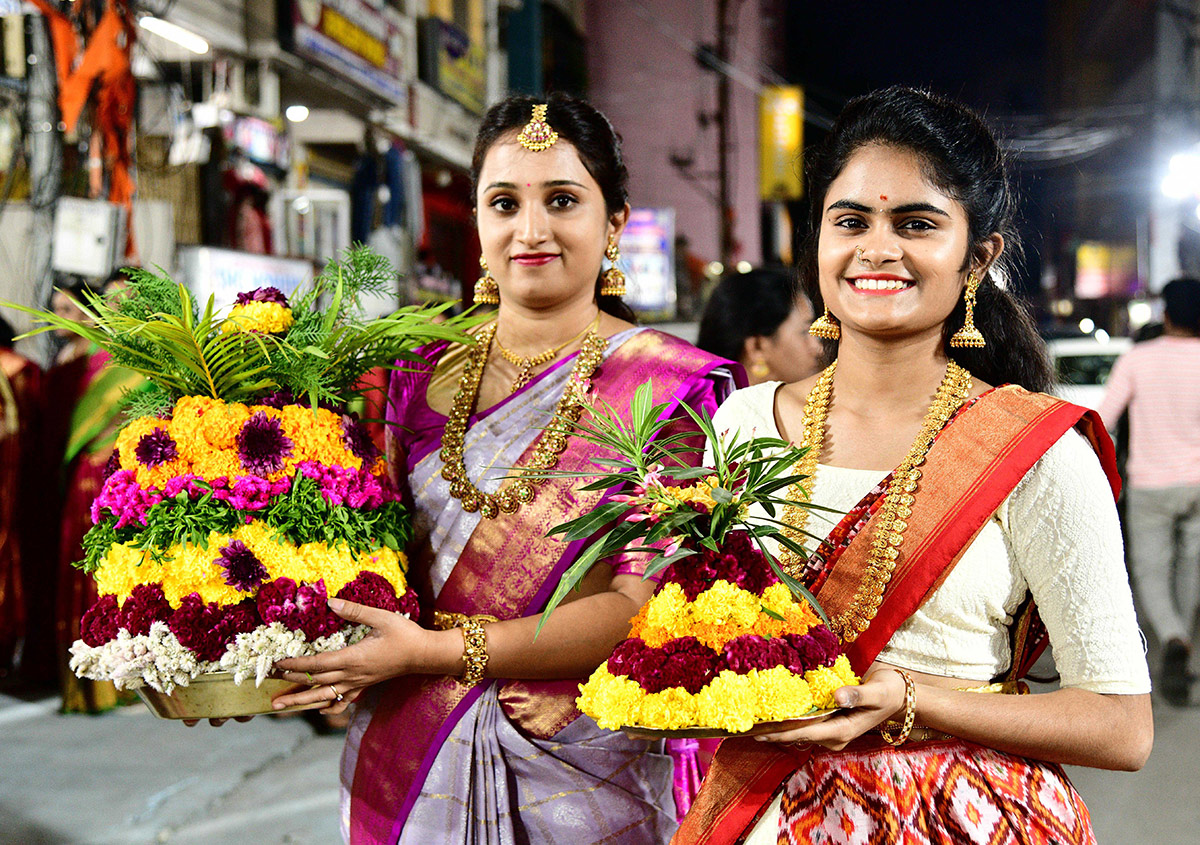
{"type": "Point", "coordinates": [974, 506]}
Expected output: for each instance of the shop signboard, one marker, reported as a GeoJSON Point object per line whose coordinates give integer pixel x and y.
{"type": "Point", "coordinates": [781, 142]}
{"type": "Point", "coordinates": [453, 64]}
{"type": "Point", "coordinates": [369, 44]}
{"type": "Point", "coordinates": [224, 273]}
{"type": "Point", "coordinates": [1105, 269]}
{"type": "Point", "coordinates": [648, 260]}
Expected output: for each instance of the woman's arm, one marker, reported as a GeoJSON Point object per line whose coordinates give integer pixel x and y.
{"type": "Point", "coordinates": [1069, 726]}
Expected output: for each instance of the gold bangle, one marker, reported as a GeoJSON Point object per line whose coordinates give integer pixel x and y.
{"type": "Point", "coordinates": [910, 713]}
{"type": "Point", "coordinates": [475, 654]}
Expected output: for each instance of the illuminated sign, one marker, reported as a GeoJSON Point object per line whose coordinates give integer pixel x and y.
{"type": "Point", "coordinates": [453, 64]}
{"type": "Point", "coordinates": [781, 142]}
{"type": "Point", "coordinates": [370, 46]}
{"type": "Point", "coordinates": [648, 259]}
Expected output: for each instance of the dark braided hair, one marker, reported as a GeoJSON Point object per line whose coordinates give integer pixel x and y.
{"type": "Point", "coordinates": [589, 132]}
{"type": "Point", "coordinates": [961, 158]}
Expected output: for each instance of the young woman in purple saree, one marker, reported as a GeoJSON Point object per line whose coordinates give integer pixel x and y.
{"type": "Point", "coordinates": [469, 731]}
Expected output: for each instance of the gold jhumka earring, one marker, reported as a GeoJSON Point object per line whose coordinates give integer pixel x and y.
{"type": "Point", "coordinates": [825, 327]}
{"type": "Point", "coordinates": [487, 292]}
{"type": "Point", "coordinates": [968, 335]}
{"type": "Point", "coordinates": [614, 279]}
{"type": "Point", "coordinates": [537, 134]}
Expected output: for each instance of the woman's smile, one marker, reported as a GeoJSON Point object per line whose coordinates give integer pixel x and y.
{"type": "Point", "coordinates": [880, 283]}
{"type": "Point", "coordinates": [534, 259]}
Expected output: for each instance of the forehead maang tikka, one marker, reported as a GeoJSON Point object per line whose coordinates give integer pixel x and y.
{"type": "Point", "coordinates": [537, 134]}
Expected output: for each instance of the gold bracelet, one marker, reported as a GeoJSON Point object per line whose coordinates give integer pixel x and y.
{"type": "Point", "coordinates": [910, 712]}
{"type": "Point", "coordinates": [475, 654]}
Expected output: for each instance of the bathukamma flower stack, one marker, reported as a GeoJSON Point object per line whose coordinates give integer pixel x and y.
{"type": "Point", "coordinates": [722, 645]}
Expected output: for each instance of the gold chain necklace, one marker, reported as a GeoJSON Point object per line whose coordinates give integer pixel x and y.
{"type": "Point", "coordinates": [551, 443]}
{"type": "Point", "coordinates": [897, 502]}
{"type": "Point", "coordinates": [525, 365]}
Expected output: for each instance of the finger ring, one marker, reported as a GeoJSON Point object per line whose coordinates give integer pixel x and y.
{"type": "Point", "coordinates": [337, 696]}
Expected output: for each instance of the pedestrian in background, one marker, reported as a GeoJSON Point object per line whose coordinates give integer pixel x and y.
{"type": "Point", "coordinates": [20, 395]}
{"type": "Point", "coordinates": [1159, 381]}
{"type": "Point", "coordinates": [761, 320]}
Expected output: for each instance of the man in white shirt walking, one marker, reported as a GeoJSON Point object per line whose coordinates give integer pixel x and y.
{"type": "Point", "coordinates": [1159, 381]}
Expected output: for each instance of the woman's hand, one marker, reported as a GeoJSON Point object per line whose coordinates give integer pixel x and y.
{"type": "Point", "coordinates": [395, 646]}
{"type": "Point", "coordinates": [880, 697]}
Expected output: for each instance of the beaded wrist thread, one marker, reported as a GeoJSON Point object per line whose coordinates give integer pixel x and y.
{"type": "Point", "coordinates": [475, 654]}
{"type": "Point", "coordinates": [910, 713]}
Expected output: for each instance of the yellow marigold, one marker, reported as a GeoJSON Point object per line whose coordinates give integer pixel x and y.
{"type": "Point", "coordinates": [221, 424]}
{"type": "Point", "coordinates": [723, 603]}
{"type": "Point", "coordinates": [194, 569]}
{"type": "Point", "coordinates": [129, 436]}
{"type": "Point", "coordinates": [267, 317]}
{"type": "Point", "coordinates": [662, 612]}
{"type": "Point", "coordinates": [729, 703]}
{"type": "Point", "coordinates": [823, 681]}
{"type": "Point", "coordinates": [613, 701]}
{"type": "Point", "coordinates": [669, 710]}
{"type": "Point", "coordinates": [841, 668]}
{"type": "Point", "coordinates": [798, 615]}
{"type": "Point", "coordinates": [781, 694]}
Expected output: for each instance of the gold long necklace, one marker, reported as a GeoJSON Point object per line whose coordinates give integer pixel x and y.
{"type": "Point", "coordinates": [525, 364]}
{"type": "Point", "coordinates": [551, 443]}
{"type": "Point", "coordinates": [897, 502]}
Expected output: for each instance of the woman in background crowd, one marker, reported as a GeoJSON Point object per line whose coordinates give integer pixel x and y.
{"type": "Point", "coordinates": [760, 320]}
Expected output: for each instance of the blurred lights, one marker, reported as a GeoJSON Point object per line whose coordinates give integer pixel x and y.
{"type": "Point", "coordinates": [714, 269]}
{"type": "Point", "coordinates": [1140, 313]}
{"type": "Point", "coordinates": [1102, 335]}
{"type": "Point", "coordinates": [1062, 307]}
{"type": "Point", "coordinates": [302, 205]}
{"type": "Point", "coordinates": [175, 34]}
{"type": "Point", "coordinates": [1086, 325]}
{"type": "Point", "coordinates": [296, 114]}
{"type": "Point", "coordinates": [744, 267]}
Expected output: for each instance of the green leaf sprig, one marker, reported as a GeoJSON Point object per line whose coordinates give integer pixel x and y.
{"type": "Point", "coordinates": [648, 459]}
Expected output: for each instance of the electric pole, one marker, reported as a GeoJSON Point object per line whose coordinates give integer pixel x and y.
{"type": "Point", "coordinates": [725, 209]}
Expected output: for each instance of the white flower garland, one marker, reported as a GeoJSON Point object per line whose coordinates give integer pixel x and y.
{"type": "Point", "coordinates": [160, 661]}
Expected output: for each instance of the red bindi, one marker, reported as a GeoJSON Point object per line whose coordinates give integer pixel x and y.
{"type": "Point", "coordinates": [882, 197]}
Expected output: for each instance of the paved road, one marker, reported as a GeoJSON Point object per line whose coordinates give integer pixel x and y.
{"type": "Point", "coordinates": [127, 778]}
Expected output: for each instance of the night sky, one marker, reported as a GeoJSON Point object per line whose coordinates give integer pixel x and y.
{"type": "Point", "coordinates": [991, 55]}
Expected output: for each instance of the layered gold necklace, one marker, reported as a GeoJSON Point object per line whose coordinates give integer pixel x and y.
{"type": "Point", "coordinates": [551, 443]}
{"type": "Point", "coordinates": [897, 502]}
{"type": "Point", "coordinates": [525, 364]}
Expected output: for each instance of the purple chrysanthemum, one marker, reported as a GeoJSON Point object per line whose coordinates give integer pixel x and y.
{"type": "Point", "coordinates": [156, 448]}
{"type": "Point", "coordinates": [357, 439]}
{"type": "Point", "coordinates": [262, 445]}
{"type": "Point", "coordinates": [277, 399]}
{"type": "Point", "coordinates": [243, 570]}
{"type": "Point", "coordinates": [113, 464]}
{"type": "Point", "coordinates": [262, 295]}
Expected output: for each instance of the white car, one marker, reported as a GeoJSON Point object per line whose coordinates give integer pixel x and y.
{"type": "Point", "coordinates": [1082, 365]}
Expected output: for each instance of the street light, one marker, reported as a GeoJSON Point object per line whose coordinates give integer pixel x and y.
{"type": "Point", "coordinates": [1086, 325]}
{"type": "Point", "coordinates": [1183, 176]}
{"type": "Point", "coordinates": [175, 34]}
{"type": "Point", "coordinates": [296, 113]}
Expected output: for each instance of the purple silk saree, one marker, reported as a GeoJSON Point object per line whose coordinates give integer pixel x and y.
{"type": "Point", "coordinates": [427, 760]}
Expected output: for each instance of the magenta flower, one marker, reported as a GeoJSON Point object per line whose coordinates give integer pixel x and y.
{"type": "Point", "coordinates": [267, 294]}
{"type": "Point", "coordinates": [262, 445]}
{"type": "Point", "coordinates": [197, 626]}
{"type": "Point", "coordinates": [101, 622]}
{"type": "Point", "coordinates": [156, 448]}
{"type": "Point", "coordinates": [300, 608]}
{"type": "Point", "coordinates": [751, 651]}
{"type": "Point", "coordinates": [243, 570]}
{"type": "Point", "coordinates": [357, 440]}
{"type": "Point", "coordinates": [146, 605]}
{"type": "Point", "coordinates": [371, 589]}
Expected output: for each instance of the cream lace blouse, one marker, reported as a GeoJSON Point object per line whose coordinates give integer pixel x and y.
{"type": "Point", "coordinates": [1057, 535]}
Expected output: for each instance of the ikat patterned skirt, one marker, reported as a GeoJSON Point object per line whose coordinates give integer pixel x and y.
{"type": "Point", "coordinates": [931, 792]}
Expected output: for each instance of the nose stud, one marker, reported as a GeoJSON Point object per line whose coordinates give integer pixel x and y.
{"type": "Point", "coordinates": [860, 254]}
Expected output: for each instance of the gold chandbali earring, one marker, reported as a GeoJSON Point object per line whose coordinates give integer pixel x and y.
{"type": "Point", "coordinates": [825, 327]}
{"type": "Point", "coordinates": [537, 134]}
{"type": "Point", "coordinates": [968, 335]}
{"type": "Point", "coordinates": [487, 292]}
{"type": "Point", "coordinates": [614, 279]}
{"type": "Point", "coordinates": [760, 370]}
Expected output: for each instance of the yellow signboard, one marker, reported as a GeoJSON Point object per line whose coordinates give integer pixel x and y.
{"type": "Point", "coordinates": [781, 142]}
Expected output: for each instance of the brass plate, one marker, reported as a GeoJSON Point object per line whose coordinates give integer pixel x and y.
{"type": "Point", "coordinates": [216, 696]}
{"type": "Point", "coordinates": [716, 733]}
